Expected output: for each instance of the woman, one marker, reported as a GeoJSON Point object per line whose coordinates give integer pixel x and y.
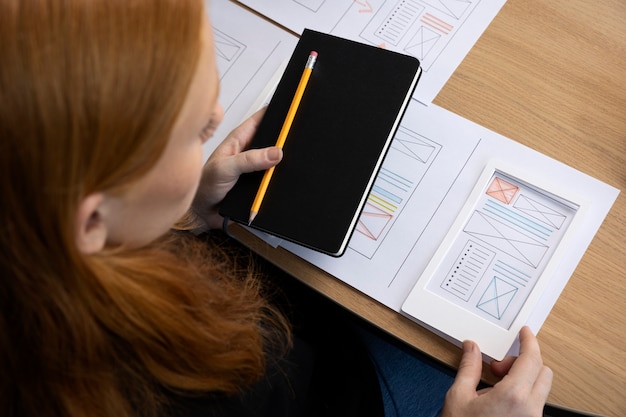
{"type": "Point", "coordinates": [104, 109]}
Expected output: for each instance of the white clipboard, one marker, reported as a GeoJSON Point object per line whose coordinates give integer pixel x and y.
{"type": "Point", "coordinates": [491, 268]}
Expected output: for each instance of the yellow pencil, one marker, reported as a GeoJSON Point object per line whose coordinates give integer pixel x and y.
{"type": "Point", "coordinates": [284, 131]}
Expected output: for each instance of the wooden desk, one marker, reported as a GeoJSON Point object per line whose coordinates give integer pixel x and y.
{"type": "Point", "coordinates": [551, 75]}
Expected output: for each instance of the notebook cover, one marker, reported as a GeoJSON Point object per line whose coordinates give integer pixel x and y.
{"type": "Point", "coordinates": [348, 115]}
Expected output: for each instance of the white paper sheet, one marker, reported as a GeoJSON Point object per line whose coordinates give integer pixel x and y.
{"type": "Point", "coordinates": [491, 269]}
{"type": "Point", "coordinates": [249, 51]}
{"type": "Point", "coordinates": [437, 32]}
{"type": "Point", "coordinates": [453, 151]}
{"type": "Point", "coordinates": [429, 172]}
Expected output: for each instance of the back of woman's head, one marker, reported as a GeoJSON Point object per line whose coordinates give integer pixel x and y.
{"type": "Point", "coordinates": [89, 93]}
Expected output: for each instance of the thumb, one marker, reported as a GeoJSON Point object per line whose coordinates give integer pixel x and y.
{"type": "Point", "coordinates": [463, 390]}
{"type": "Point", "coordinates": [256, 160]}
{"type": "Point", "coordinates": [470, 368]}
{"type": "Point", "coordinates": [225, 170]}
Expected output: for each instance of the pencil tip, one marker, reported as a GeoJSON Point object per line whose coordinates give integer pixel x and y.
{"type": "Point", "coordinates": [252, 216]}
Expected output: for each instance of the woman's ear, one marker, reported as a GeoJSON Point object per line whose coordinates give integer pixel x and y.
{"type": "Point", "coordinates": [90, 228]}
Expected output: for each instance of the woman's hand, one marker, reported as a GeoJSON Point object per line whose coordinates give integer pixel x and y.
{"type": "Point", "coordinates": [229, 160]}
{"type": "Point", "coordinates": [522, 392]}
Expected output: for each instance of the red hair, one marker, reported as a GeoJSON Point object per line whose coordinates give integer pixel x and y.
{"type": "Point", "coordinates": [90, 91]}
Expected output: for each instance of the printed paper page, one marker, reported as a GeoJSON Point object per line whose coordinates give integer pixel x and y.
{"type": "Point", "coordinates": [436, 156]}
{"type": "Point", "coordinates": [249, 51]}
{"type": "Point", "coordinates": [421, 189]}
{"type": "Point", "coordinates": [437, 32]}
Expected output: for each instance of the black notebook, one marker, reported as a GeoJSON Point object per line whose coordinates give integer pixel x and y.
{"type": "Point", "coordinates": [344, 125]}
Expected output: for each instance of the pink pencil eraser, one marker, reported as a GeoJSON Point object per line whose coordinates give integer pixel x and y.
{"type": "Point", "coordinates": [313, 53]}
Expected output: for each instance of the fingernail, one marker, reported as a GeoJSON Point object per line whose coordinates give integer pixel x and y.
{"type": "Point", "coordinates": [468, 346]}
{"type": "Point", "coordinates": [274, 154]}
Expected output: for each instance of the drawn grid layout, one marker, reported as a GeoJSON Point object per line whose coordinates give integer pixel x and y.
{"type": "Point", "coordinates": [227, 50]}
{"type": "Point", "coordinates": [406, 163]}
{"type": "Point", "coordinates": [313, 5]}
{"type": "Point", "coordinates": [492, 266]}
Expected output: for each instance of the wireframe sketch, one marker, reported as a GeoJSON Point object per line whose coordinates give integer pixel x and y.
{"type": "Point", "coordinates": [414, 146]}
{"type": "Point", "coordinates": [502, 190]}
{"type": "Point", "coordinates": [422, 43]}
{"type": "Point", "coordinates": [410, 155]}
{"type": "Point", "coordinates": [248, 52]}
{"type": "Point", "coordinates": [506, 239]}
{"type": "Point", "coordinates": [541, 212]}
{"type": "Point", "coordinates": [398, 21]}
{"type": "Point", "coordinates": [502, 248]}
{"type": "Point", "coordinates": [313, 5]}
{"type": "Point", "coordinates": [468, 269]}
{"type": "Point", "coordinates": [453, 8]}
{"type": "Point", "coordinates": [437, 25]}
{"type": "Point", "coordinates": [437, 32]}
{"type": "Point", "coordinates": [518, 220]}
{"type": "Point", "coordinates": [512, 273]}
{"type": "Point", "coordinates": [386, 197]}
{"type": "Point", "coordinates": [227, 50]}
{"type": "Point", "coordinates": [497, 297]}
{"type": "Point", "coordinates": [421, 28]}
{"type": "Point", "coordinates": [374, 219]}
